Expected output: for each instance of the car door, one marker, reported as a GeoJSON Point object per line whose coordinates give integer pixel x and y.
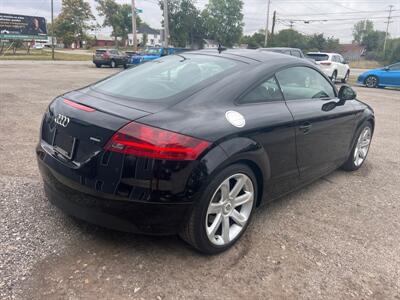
{"type": "Point", "coordinates": [324, 130]}
{"type": "Point", "coordinates": [273, 130]}
{"type": "Point", "coordinates": [391, 75]}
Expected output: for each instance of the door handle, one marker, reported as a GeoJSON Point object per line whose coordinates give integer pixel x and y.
{"type": "Point", "coordinates": [305, 127]}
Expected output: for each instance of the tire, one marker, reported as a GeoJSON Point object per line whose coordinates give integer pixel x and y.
{"type": "Point", "coordinates": [346, 77]}
{"type": "Point", "coordinates": [334, 76]}
{"type": "Point", "coordinates": [113, 64]}
{"type": "Point", "coordinates": [98, 66]}
{"type": "Point", "coordinates": [214, 212]}
{"type": "Point", "coordinates": [125, 66]}
{"type": "Point", "coordinates": [360, 149]}
{"type": "Point", "coordinates": [371, 81]}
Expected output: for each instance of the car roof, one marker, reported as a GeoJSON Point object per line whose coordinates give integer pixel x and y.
{"type": "Point", "coordinates": [278, 48]}
{"type": "Point", "coordinates": [324, 53]}
{"type": "Point", "coordinates": [249, 56]}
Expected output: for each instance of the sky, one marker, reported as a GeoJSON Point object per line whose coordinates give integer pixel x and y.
{"type": "Point", "coordinates": [331, 17]}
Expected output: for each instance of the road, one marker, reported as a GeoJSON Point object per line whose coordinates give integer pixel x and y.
{"type": "Point", "coordinates": [338, 238]}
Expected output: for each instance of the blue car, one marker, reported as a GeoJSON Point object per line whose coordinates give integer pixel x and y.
{"type": "Point", "coordinates": [387, 76]}
{"type": "Point", "coordinates": [151, 54]}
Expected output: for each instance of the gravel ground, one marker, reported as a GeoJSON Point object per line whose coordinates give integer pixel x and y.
{"type": "Point", "coordinates": [338, 238]}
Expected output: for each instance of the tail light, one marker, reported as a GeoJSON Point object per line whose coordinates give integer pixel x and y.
{"type": "Point", "coordinates": [326, 63]}
{"type": "Point", "coordinates": [142, 140]}
{"type": "Point", "coordinates": [105, 55]}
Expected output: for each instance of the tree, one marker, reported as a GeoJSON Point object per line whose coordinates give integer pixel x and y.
{"type": "Point", "coordinates": [185, 23]}
{"type": "Point", "coordinates": [224, 21]}
{"type": "Point", "coordinates": [118, 17]}
{"type": "Point", "coordinates": [290, 38]}
{"type": "Point", "coordinates": [362, 28]}
{"type": "Point", "coordinates": [71, 24]}
{"type": "Point", "coordinates": [373, 40]}
{"type": "Point", "coordinates": [254, 41]}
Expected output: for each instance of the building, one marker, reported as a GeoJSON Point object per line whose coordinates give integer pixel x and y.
{"type": "Point", "coordinates": [153, 36]}
{"type": "Point", "coordinates": [352, 51]}
{"type": "Point", "coordinates": [104, 41]}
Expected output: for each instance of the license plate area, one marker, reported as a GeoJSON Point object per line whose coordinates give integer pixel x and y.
{"type": "Point", "coordinates": [64, 144]}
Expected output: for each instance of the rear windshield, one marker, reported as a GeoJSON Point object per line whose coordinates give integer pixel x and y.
{"type": "Point", "coordinates": [163, 78]}
{"type": "Point", "coordinates": [101, 51]}
{"type": "Point", "coordinates": [318, 57]}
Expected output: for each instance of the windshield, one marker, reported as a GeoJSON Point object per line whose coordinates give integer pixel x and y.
{"type": "Point", "coordinates": [164, 77]}
{"type": "Point", "coordinates": [318, 57]}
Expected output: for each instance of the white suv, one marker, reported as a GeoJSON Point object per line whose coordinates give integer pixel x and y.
{"type": "Point", "coordinates": [332, 64]}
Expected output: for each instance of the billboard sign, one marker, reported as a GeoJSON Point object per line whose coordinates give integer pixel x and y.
{"type": "Point", "coordinates": [22, 27]}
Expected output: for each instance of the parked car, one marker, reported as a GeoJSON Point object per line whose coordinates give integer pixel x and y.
{"type": "Point", "coordinates": [153, 53]}
{"type": "Point", "coordinates": [387, 76]}
{"type": "Point", "coordinates": [333, 65]}
{"type": "Point", "coordinates": [296, 52]}
{"type": "Point", "coordinates": [110, 57]}
{"type": "Point", "coordinates": [192, 144]}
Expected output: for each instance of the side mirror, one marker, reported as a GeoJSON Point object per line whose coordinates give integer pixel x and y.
{"type": "Point", "coordinates": [386, 68]}
{"type": "Point", "coordinates": [346, 93]}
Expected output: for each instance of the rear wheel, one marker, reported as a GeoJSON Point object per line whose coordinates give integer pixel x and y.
{"type": "Point", "coordinates": [346, 77]}
{"type": "Point", "coordinates": [223, 213]}
{"type": "Point", "coordinates": [98, 65]}
{"type": "Point", "coordinates": [360, 149]}
{"type": "Point", "coordinates": [113, 64]}
{"type": "Point", "coordinates": [371, 81]}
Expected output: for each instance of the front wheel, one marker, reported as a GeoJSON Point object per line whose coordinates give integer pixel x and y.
{"type": "Point", "coordinates": [223, 213]}
{"type": "Point", "coordinates": [371, 81]}
{"type": "Point", "coordinates": [360, 149]}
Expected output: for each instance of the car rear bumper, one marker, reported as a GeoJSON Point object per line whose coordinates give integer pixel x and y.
{"type": "Point", "coordinates": [113, 213]}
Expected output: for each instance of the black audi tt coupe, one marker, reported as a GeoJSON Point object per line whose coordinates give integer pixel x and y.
{"type": "Point", "coordinates": [191, 144]}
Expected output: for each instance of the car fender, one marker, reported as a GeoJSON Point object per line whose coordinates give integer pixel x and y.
{"type": "Point", "coordinates": [239, 149]}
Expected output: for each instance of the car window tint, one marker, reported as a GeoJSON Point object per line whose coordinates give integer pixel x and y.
{"type": "Point", "coordinates": [395, 67]}
{"type": "Point", "coordinates": [164, 77]}
{"type": "Point", "coordinates": [304, 83]}
{"type": "Point", "coordinates": [265, 92]}
{"type": "Point", "coordinates": [318, 57]}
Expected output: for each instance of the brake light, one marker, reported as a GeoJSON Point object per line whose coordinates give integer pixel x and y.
{"type": "Point", "coordinates": [142, 140]}
{"type": "Point", "coordinates": [326, 63]}
{"type": "Point", "coordinates": [79, 106]}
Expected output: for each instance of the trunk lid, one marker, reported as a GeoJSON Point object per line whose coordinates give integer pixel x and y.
{"type": "Point", "coordinates": [76, 135]}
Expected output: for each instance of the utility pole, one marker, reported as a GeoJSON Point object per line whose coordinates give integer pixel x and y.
{"type": "Point", "coordinates": [291, 24]}
{"type": "Point", "coordinates": [166, 25]}
{"type": "Point", "coordinates": [266, 25]}
{"type": "Point", "coordinates": [387, 26]}
{"type": "Point", "coordinates": [134, 35]}
{"type": "Point", "coordinates": [52, 29]}
{"type": "Point", "coordinates": [273, 25]}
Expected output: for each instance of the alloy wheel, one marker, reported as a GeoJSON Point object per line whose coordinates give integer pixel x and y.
{"type": "Point", "coordinates": [362, 147]}
{"type": "Point", "coordinates": [371, 82]}
{"type": "Point", "coordinates": [229, 209]}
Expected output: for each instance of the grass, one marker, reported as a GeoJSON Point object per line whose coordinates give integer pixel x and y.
{"type": "Point", "coordinates": [365, 64]}
{"type": "Point", "coordinates": [44, 55]}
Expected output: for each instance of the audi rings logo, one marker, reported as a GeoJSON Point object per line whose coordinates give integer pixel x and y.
{"type": "Point", "coordinates": [61, 120]}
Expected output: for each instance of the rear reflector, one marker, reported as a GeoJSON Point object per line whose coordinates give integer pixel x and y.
{"type": "Point", "coordinates": [142, 140]}
{"type": "Point", "coordinates": [78, 106]}
{"type": "Point", "coordinates": [326, 63]}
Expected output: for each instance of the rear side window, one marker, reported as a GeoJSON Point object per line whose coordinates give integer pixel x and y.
{"type": "Point", "coordinates": [265, 92]}
{"type": "Point", "coordinates": [299, 83]}
{"type": "Point", "coordinates": [318, 57]}
{"type": "Point", "coordinates": [395, 67]}
{"type": "Point", "coordinates": [164, 77]}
